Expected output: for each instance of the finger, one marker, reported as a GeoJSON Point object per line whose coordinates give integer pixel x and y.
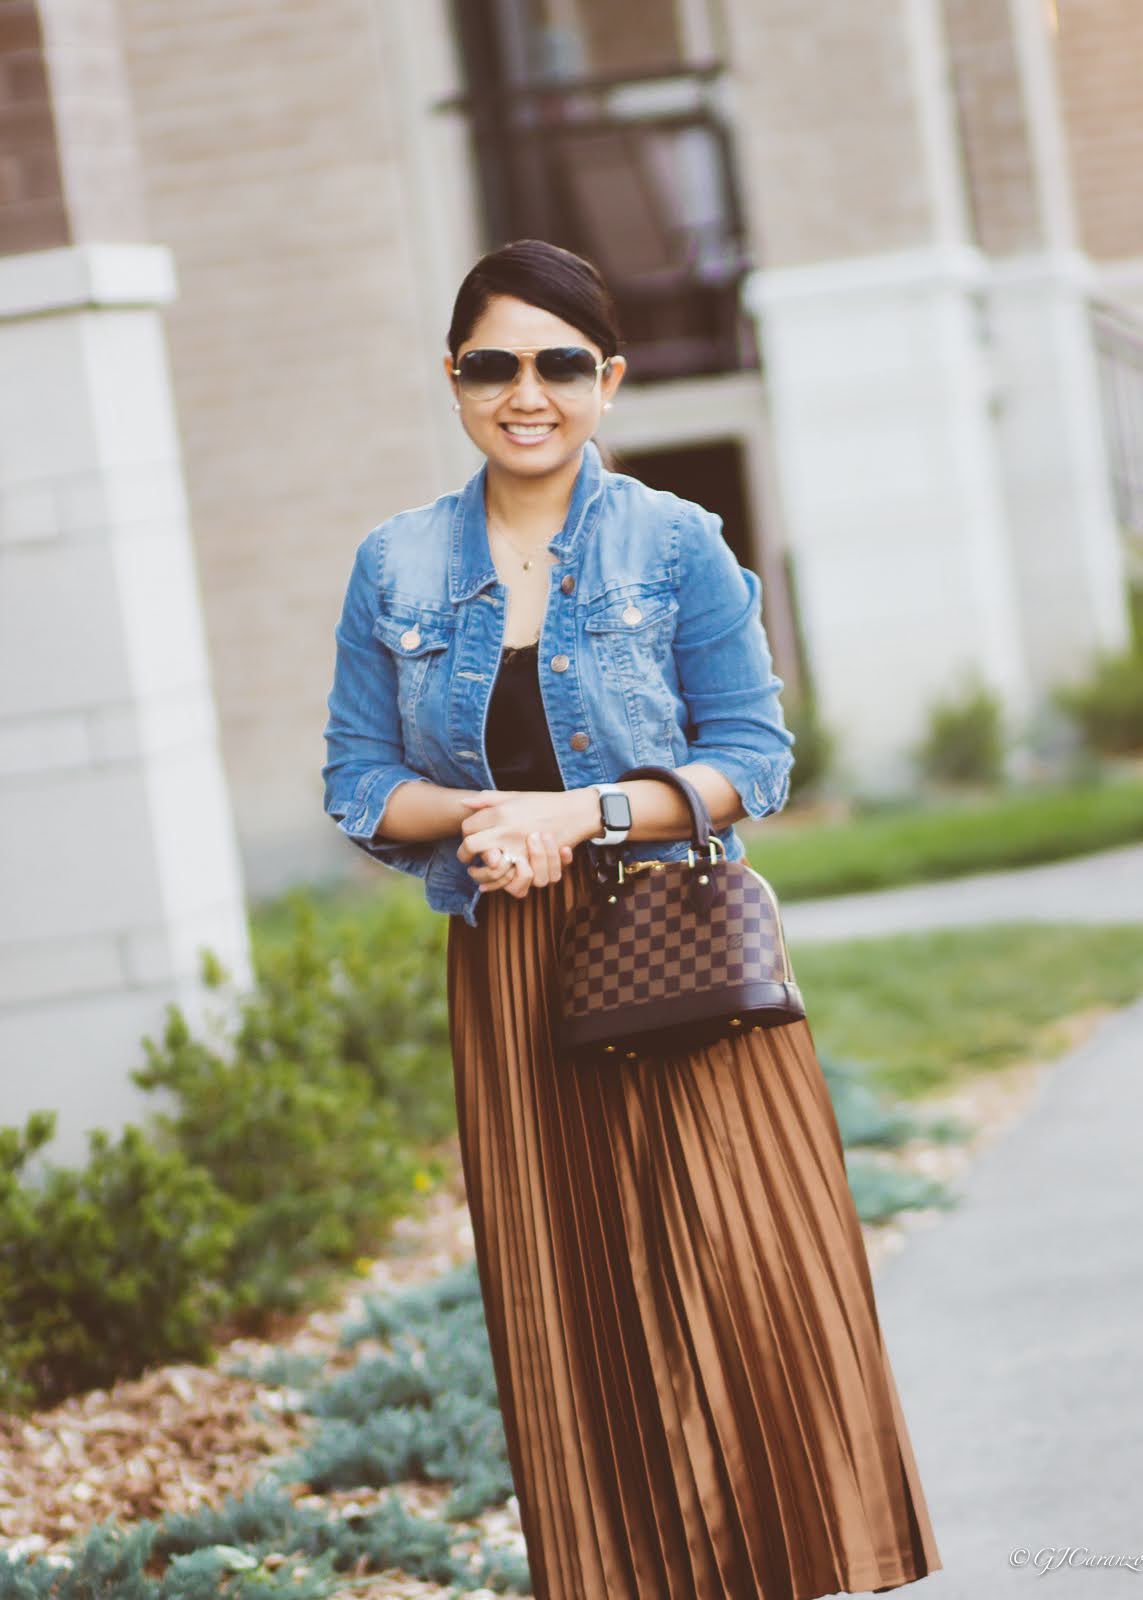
{"type": "Point", "coordinates": [538, 860]}
{"type": "Point", "coordinates": [498, 873]}
{"type": "Point", "coordinates": [467, 851]}
{"type": "Point", "coordinates": [489, 860]}
{"type": "Point", "coordinates": [482, 820]}
{"type": "Point", "coordinates": [486, 874]}
{"type": "Point", "coordinates": [481, 838]}
{"type": "Point", "coordinates": [555, 865]}
{"type": "Point", "coordinates": [495, 877]}
{"type": "Point", "coordinates": [521, 881]}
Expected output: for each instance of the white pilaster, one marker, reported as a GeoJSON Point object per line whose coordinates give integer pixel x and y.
{"type": "Point", "coordinates": [1069, 557]}
{"type": "Point", "coordinates": [1067, 548]}
{"type": "Point", "coordinates": [118, 858]}
{"type": "Point", "coordinates": [1122, 282]}
{"type": "Point", "coordinates": [879, 399]}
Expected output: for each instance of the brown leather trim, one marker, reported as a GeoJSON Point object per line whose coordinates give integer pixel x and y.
{"type": "Point", "coordinates": [683, 1022]}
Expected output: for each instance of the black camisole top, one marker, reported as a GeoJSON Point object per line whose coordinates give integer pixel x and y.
{"type": "Point", "coordinates": [516, 734]}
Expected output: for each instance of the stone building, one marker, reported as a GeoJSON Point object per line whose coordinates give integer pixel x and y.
{"type": "Point", "coordinates": [880, 270]}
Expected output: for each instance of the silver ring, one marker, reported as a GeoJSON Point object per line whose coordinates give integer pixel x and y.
{"type": "Point", "coordinates": [509, 860]}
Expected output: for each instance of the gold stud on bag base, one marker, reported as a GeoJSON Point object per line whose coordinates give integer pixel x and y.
{"type": "Point", "coordinates": [668, 956]}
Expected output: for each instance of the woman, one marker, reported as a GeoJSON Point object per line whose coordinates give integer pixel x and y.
{"type": "Point", "coordinates": [695, 1391]}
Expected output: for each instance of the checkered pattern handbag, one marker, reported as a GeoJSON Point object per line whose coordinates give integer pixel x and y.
{"type": "Point", "coordinates": [671, 955]}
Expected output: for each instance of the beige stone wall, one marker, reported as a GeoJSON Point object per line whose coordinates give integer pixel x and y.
{"type": "Point", "coordinates": [827, 128]}
{"type": "Point", "coordinates": [33, 211]}
{"type": "Point", "coordinates": [1100, 50]}
{"type": "Point", "coordinates": [99, 158]}
{"type": "Point", "coordinates": [992, 126]}
{"type": "Point", "coordinates": [69, 169]}
{"type": "Point", "coordinates": [274, 170]}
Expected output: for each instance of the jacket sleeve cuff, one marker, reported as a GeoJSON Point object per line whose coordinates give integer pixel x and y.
{"type": "Point", "coordinates": [763, 782]}
{"type": "Point", "coordinates": [358, 820]}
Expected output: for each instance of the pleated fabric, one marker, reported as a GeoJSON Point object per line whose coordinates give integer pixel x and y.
{"type": "Point", "coordinates": [696, 1396]}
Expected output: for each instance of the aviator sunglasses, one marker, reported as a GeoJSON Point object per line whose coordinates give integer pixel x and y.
{"type": "Point", "coordinates": [569, 369]}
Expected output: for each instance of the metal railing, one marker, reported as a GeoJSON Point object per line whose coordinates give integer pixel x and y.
{"type": "Point", "coordinates": [1119, 348]}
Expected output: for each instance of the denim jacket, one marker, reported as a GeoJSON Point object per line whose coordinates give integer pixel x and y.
{"type": "Point", "coordinates": [652, 651]}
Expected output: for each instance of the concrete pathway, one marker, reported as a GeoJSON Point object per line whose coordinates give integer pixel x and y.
{"type": "Point", "coordinates": [1015, 1328]}
{"type": "Point", "coordinates": [1102, 888]}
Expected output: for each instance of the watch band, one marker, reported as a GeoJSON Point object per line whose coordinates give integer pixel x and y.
{"type": "Point", "coordinates": [611, 835]}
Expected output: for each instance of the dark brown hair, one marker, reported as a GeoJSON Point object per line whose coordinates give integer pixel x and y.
{"type": "Point", "coordinates": [544, 275]}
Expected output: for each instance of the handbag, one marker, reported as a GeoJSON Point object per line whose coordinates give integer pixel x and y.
{"type": "Point", "coordinates": [666, 956]}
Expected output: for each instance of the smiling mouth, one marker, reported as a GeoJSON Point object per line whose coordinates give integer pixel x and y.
{"type": "Point", "coordinates": [526, 432]}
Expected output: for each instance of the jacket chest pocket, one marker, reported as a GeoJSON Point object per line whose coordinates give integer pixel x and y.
{"type": "Point", "coordinates": [419, 643]}
{"type": "Point", "coordinates": [632, 631]}
{"type": "Point", "coordinates": [630, 634]}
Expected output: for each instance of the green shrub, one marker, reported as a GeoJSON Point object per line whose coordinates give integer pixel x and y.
{"type": "Point", "coordinates": [300, 1137]}
{"type": "Point", "coordinates": [279, 1155]}
{"type": "Point", "coordinates": [105, 1269]}
{"type": "Point", "coordinates": [386, 993]}
{"type": "Point", "coordinates": [965, 740]}
{"type": "Point", "coordinates": [388, 998]}
{"type": "Point", "coordinates": [1108, 707]}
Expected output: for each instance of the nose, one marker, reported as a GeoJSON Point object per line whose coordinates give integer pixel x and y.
{"type": "Point", "coordinates": [528, 393]}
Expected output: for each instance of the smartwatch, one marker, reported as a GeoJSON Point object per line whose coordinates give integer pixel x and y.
{"type": "Point", "coordinates": [615, 812]}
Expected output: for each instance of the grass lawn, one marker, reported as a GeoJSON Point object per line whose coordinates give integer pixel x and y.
{"type": "Point", "coordinates": [805, 859]}
{"type": "Point", "coordinates": [923, 1010]}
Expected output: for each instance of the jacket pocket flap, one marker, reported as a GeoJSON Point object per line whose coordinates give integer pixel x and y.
{"type": "Point", "coordinates": [413, 635]}
{"type": "Point", "coordinates": [629, 613]}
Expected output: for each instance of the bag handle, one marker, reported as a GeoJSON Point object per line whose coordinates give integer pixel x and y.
{"type": "Point", "coordinates": [702, 893]}
{"type": "Point", "coordinates": [701, 827]}
{"type": "Point", "coordinates": [700, 814]}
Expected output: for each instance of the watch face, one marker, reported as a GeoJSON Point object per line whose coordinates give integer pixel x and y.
{"type": "Point", "coordinates": [615, 810]}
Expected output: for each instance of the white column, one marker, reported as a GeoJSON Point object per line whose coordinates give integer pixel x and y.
{"type": "Point", "coordinates": [888, 474]}
{"type": "Point", "coordinates": [1121, 282]}
{"type": "Point", "coordinates": [1069, 554]}
{"type": "Point", "coordinates": [1070, 560]}
{"type": "Point", "coordinates": [118, 859]}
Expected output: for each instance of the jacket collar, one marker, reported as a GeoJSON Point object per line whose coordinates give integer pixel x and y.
{"type": "Point", "coordinates": [470, 565]}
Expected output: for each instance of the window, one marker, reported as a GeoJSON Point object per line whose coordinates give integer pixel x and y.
{"type": "Point", "coordinates": [601, 127]}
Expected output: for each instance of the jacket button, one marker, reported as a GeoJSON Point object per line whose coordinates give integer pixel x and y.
{"type": "Point", "coordinates": [579, 741]}
{"type": "Point", "coordinates": [410, 640]}
{"type": "Point", "coordinates": [567, 584]}
{"type": "Point", "coordinates": [561, 663]}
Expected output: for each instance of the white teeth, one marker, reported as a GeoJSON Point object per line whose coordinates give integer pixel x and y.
{"type": "Point", "coordinates": [529, 429]}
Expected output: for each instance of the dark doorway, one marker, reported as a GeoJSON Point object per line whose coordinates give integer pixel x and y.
{"type": "Point", "coordinates": [711, 475]}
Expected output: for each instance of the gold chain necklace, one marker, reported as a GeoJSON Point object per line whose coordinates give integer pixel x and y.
{"type": "Point", "coordinates": [526, 560]}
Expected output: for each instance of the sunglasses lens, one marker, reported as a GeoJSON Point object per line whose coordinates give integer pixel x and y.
{"type": "Point", "coordinates": [484, 373]}
{"type": "Point", "coordinates": [567, 367]}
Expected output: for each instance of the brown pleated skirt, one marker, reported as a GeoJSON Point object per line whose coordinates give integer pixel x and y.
{"type": "Point", "coordinates": [696, 1395]}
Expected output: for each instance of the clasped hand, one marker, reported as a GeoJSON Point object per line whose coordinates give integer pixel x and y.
{"type": "Point", "coordinates": [532, 825]}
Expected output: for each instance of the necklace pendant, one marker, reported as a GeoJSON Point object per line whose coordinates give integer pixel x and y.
{"type": "Point", "coordinates": [527, 564]}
